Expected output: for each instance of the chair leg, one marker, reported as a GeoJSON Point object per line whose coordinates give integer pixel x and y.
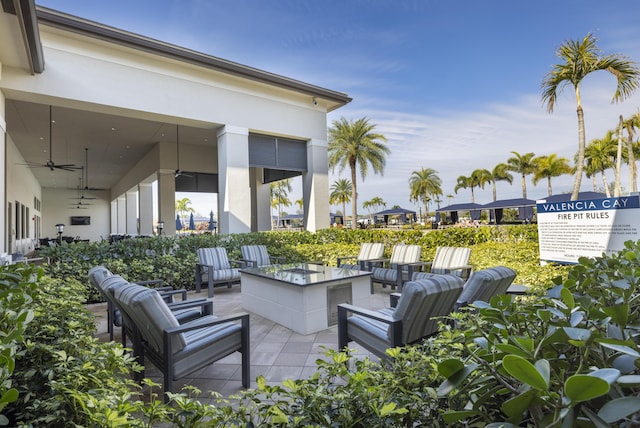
{"type": "Point", "coordinates": [210, 286]}
{"type": "Point", "coordinates": [343, 335]}
{"type": "Point", "coordinates": [371, 279]}
{"type": "Point", "coordinates": [198, 279]}
{"type": "Point", "coordinates": [246, 365]}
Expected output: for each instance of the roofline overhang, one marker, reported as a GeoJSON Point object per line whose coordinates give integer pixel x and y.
{"type": "Point", "coordinates": [25, 11]}
{"type": "Point", "coordinates": [109, 34]}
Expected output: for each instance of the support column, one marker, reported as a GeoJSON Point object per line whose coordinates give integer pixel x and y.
{"type": "Point", "coordinates": [3, 161]}
{"type": "Point", "coordinates": [167, 201]}
{"type": "Point", "coordinates": [260, 202]}
{"type": "Point", "coordinates": [145, 208]}
{"type": "Point", "coordinates": [132, 212]}
{"type": "Point", "coordinates": [122, 215]}
{"type": "Point", "coordinates": [114, 217]}
{"type": "Point", "coordinates": [234, 198]}
{"type": "Point", "coordinates": [315, 187]}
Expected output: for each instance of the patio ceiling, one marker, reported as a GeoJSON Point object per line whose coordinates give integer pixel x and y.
{"type": "Point", "coordinates": [115, 143]}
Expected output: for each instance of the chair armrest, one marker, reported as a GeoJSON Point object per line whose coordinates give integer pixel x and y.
{"type": "Point", "coordinates": [152, 282]}
{"type": "Point", "coordinates": [169, 294]}
{"type": "Point", "coordinates": [204, 303]}
{"type": "Point", "coordinates": [382, 261]}
{"type": "Point", "coordinates": [239, 263]}
{"type": "Point", "coordinates": [428, 265]}
{"type": "Point", "coordinates": [451, 269]}
{"type": "Point", "coordinates": [205, 322]}
{"type": "Point", "coordinates": [345, 307]}
{"type": "Point", "coordinates": [248, 263]}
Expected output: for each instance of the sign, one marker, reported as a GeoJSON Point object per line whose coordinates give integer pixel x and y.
{"type": "Point", "coordinates": [571, 229]}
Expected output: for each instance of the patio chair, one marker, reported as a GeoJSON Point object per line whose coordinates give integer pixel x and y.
{"type": "Point", "coordinates": [404, 259]}
{"type": "Point", "coordinates": [179, 350]}
{"type": "Point", "coordinates": [453, 260]}
{"type": "Point", "coordinates": [184, 312]}
{"type": "Point", "coordinates": [214, 268]}
{"type": "Point", "coordinates": [482, 285]}
{"type": "Point", "coordinates": [369, 255]}
{"type": "Point", "coordinates": [415, 318]}
{"type": "Point", "coordinates": [258, 256]}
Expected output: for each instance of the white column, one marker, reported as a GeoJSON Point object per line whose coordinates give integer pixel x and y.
{"type": "Point", "coordinates": [315, 187]}
{"type": "Point", "coordinates": [167, 201]}
{"type": "Point", "coordinates": [145, 208]}
{"type": "Point", "coordinates": [122, 215]}
{"type": "Point", "coordinates": [3, 161]}
{"type": "Point", "coordinates": [234, 198]}
{"type": "Point", "coordinates": [260, 202]}
{"type": "Point", "coordinates": [114, 217]}
{"type": "Point", "coordinates": [132, 212]}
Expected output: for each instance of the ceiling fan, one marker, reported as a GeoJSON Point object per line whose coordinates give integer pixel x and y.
{"type": "Point", "coordinates": [81, 196]}
{"type": "Point", "coordinates": [50, 163]}
{"type": "Point", "coordinates": [179, 172]}
{"type": "Point", "coordinates": [85, 170]}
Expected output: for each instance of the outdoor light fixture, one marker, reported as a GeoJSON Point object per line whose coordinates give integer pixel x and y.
{"type": "Point", "coordinates": [160, 227]}
{"type": "Point", "coordinates": [60, 229]}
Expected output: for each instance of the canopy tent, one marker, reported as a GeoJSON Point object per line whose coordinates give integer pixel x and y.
{"type": "Point", "coordinates": [401, 212]}
{"type": "Point", "coordinates": [524, 206]}
{"type": "Point", "coordinates": [178, 222]}
{"type": "Point", "coordinates": [192, 223]}
{"type": "Point", "coordinates": [563, 197]}
{"type": "Point", "coordinates": [472, 207]}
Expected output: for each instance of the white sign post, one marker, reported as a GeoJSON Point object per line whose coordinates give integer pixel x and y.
{"type": "Point", "coordinates": [572, 229]}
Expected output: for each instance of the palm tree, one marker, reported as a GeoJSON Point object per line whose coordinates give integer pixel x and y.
{"type": "Point", "coordinates": [300, 204]}
{"type": "Point", "coordinates": [481, 177]}
{"type": "Point", "coordinates": [341, 192]}
{"type": "Point", "coordinates": [464, 182]}
{"type": "Point", "coordinates": [423, 183]}
{"type": "Point", "coordinates": [280, 195]}
{"type": "Point", "coordinates": [550, 166]}
{"type": "Point", "coordinates": [449, 198]}
{"type": "Point", "coordinates": [599, 156]}
{"type": "Point", "coordinates": [579, 59]}
{"type": "Point", "coordinates": [356, 145]}
{"type": "Point", "coordinates": [523, 165]}
{"type": "Point", "coordinates": [182, 207]}
{"type": "Point", "coordinates": [500, 172]}
{"type": "Point", "coordinates": [374, 204]}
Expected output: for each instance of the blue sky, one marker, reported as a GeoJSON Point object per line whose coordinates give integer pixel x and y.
{"type": "Point", "coordinates": [453, 84]}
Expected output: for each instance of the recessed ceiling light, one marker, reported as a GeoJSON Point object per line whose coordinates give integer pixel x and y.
{"type": "Point", "coordinates": [128, 146]}
{"type": "Point", "coordinates": [113, 129]}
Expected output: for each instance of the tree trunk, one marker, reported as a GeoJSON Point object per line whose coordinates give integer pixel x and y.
{"type": "Point", "coordinates": [473, 196]}
{"type": "Point", "coordinates": [354, 198]}
{"type": "Point", "coordinates": [495, 193]}
{"type": "Point", "coordinates": [524, 187]}
{"type": "Point", "coordinates": [606, 185]}
{"type": "Point", "coordinates": [633, 171]}
{"type": "Point", "coordinates": [581, 144]}
{"type": "Point", "coordinates": [617, 191]}
{"type": "Point", "coordinates": [595, 182]}
{"type": "Point", "coordinates": [549, 186]}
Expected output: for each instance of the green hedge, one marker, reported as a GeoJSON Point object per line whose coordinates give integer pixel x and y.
{"type": "Point", "coordinates": [173, 258]}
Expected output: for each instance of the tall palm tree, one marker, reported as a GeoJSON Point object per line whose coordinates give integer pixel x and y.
{"type": "Point", "coordinates": [463, 182]}
{"type": "Point", "coordinates": [423, 183]}
{"type": "Point", "coordinates": [523, 165]}
{"type": "Point", "coordinates": [356, 145]}
{"type": "Point", "coordinates": [581, 57]}
{"type": "Point", "coordinates": [280, 195]}
{"type": "Point", "coordinates": [550, 166]}
{"type": "Point", "coordinates": [182, 207]}
{"type": "Point", "coordinates": [374, 204]}
{"type": "Point", "coordinates": [600, 155]}
{"type": "Point", "coordinates": [499, 172]}
{"type": "Point", "coordinates": [341, 193]}
{"type": "Point", "coordinates": [300, 204]}
{"type": "Point", "coordinates": [481, 177]}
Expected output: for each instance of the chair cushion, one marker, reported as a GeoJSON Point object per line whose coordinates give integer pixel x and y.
{"type": "Point", "coordinates": [422, 275]}
{"type": "Point", "coordinates": [448, 257]}
{"type": "Point", "coordinates": [405, 254]}
{"type": "Point", "coordinates": [424, 299]}
{"type": "Point", "coordinates": [257, 254]}
{"type": "Point", "coordinates": [97, 274]}
{"type": "Point", "coordinates": [206, 345]}
{"type": "Point", "coordinates": [371, 250]}
{"type": "Point", "coordinates": [216, 257]}
{"type": "Point", "coordinates": [371, 334]}
{"type": "Point", "coordinates": [484, 284]}
{"type": "Point", "coordinates": [150, 313]}
{"type": "Point", "coordinates": [384, 274]}
{"type": "Point", "coordinates": [225, 274]}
